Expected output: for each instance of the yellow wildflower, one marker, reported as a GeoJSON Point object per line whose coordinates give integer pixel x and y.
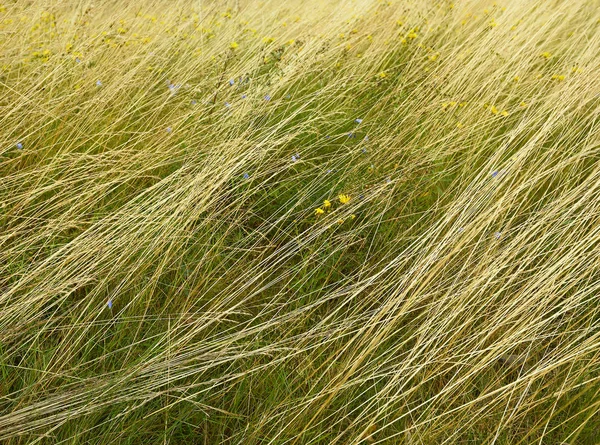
{"type": "Point", "coordinates": [523, 104]}
{"type": "Point", "coordinates": [546, 55]}
{"type": "Point", "coordinates": [493, 109]}
{"type": "Point", "coordinates": [382, 75]}
{"type": "Point", "coordinates": [558, 77]}
{"type": "Point", "coordinates": [344, 199]}
{"type": "Point", "coordinates": [459, 125]}
{"type": "Point", "coordinates": [319, 211]}
{"type": "Point", "coordinates": [326, 204]}
{"type": "Point", "coordinates": [268, 39]}
{"type": "Point", "coordinates": [504, 113]}
{"type": "Point", "coordinates": [233, 45]}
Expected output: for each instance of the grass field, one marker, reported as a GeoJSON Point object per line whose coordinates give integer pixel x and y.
{"type": "Point", "coordinates": [300, 222]}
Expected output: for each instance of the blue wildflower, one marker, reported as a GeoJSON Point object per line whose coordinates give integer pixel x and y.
{"type": "Point", "coordinates": [227, 104]}
{"type": "Point", "coordinates": [367, 138]}
{"type": "Point", "coordinates": [497, 235]}
{"type": "Point", "coordinates": [495, 173]}
{"type": "Point", "coordinates": [194, 102]}
{"type": "Point", "coordinates": [231, 82]}
{"type": "Point", "coordinates": [109, 303]}
{"type": "Point", "coordinates": [246, 175]}
{"type": "Point", "coordinates": [358, 121]}
{"type": "Point", "coordinates": [350, 135]}
{"type": "Point", "coordinates": [364, 150]}
{"type": "Point", "coordinates": [294, 158]}
{"type": "Point", "coordinates": [169, 129]}
{"type": "Point", "coordinates": [77, 59]}
{"type": "Point", "coordinates": [329, 171]}
{"type": "Point", "coordinates": [267, 97]}
{"type": "Point", "coordinates": [388, 180]}
{"type": "Point", "coordinates": [19, 146]}
{"type": "Point", "coordinates": [287, 96]}
{"type": "Point", "coordinates": [327, 137]}
{"type": "Point", "coordinates": [243, 96]}
{"type": "Point", "coordinates": [98, 83]}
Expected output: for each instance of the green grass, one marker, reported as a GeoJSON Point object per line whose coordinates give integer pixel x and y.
{"type": "Point", "coordinates": [238, 315]}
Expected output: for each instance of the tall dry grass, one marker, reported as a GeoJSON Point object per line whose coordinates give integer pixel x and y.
{"type": "Point", "coordinates": [165, 279]}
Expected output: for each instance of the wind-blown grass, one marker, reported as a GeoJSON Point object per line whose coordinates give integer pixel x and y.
{"type": "Point", "coordinates": [166, 277]}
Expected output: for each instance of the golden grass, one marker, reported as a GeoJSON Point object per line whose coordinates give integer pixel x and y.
{"type": "Point", "coordinates": [166, 277]}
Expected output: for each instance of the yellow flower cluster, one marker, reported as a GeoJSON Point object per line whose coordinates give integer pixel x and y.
{"type": "Point", "coordinates": [343, 198]}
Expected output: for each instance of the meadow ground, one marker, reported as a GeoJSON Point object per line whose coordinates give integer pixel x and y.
{"type": "Point", "coordinates": [300, 222]}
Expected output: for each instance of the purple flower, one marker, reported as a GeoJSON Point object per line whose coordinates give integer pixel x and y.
{"type": "Point", "coordinates": [243, 96]}
{"type": "Point", "coordinates": [494, 173]}
{"type": "Point", "coordinates": [19, 146]}
{"type": "Point", "coordinates": [267, 97]}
